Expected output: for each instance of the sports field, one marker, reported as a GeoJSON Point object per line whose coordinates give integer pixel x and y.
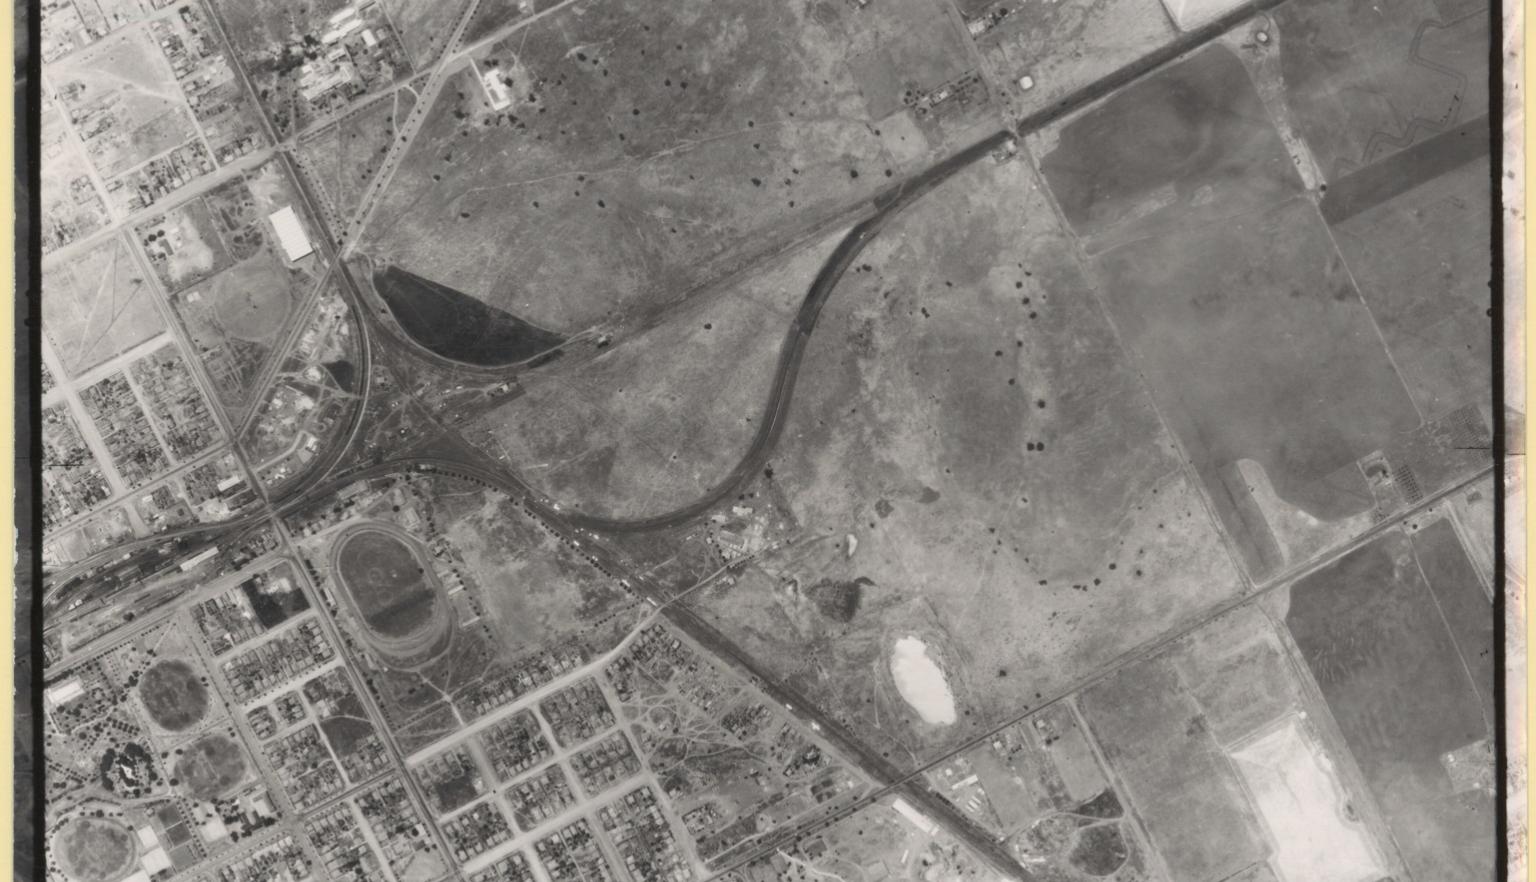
{"type": "Point", "coordinates": [208, 767]}
{"type": "Point", "coordinates": [173, 695]}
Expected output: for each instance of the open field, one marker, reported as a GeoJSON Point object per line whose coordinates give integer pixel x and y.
{"type": "Point", "coordinates": [1293, 376]}
{"type": "Point", "coordinates": [1422, 263]}
{"type": "Point", "coordinates": [664, 415]}
{"type": "Point", "coordinates": [536, 590]}
{"type": "Point", "coordinates": [211, 766]}
{"type": "Point", "coordinates": [597, 193]}
{"type": "Point", "coordinates": [491, 17]}
{"type": "Point", "coordinates": [1365, 84]}
{"type": "Point", "coordinates": [173, 695]}
{"type": "Point", "coordinates": [254, 297]}
{"type": "Point", "coordinates": [1213, 746]}
{"type": "Point", "coordinates": [1186, 146]}
{"type": "Point", "coordinates": [1397, 681]}
{"type": "Point", "coordinates": [969, 440]}
{"type": "Point", "coordinates": [1474, 514]}
{"type": "Point", "coordinates": [1464, 604]}
{"type": "Point", "coordinates": [98, 305]}
{"type": "Point", "coordinates": [184, 246]}
{"type": "Point", "coordinates": [424, 25]}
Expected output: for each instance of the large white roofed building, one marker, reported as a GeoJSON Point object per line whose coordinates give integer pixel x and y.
{"type": "Point", "coordinates": [290, 232]}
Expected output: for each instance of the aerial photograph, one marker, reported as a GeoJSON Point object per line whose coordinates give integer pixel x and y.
{"type": "Point", "coordinates": [770, 441]}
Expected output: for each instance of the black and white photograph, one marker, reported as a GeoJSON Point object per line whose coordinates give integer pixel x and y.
{"type": "Point", "coordinates": [770, 441]}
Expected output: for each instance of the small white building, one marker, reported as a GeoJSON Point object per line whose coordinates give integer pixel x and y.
{"type": "Point", "coordinates": [496, 90]}
{"type": "Point", "coordinates": [290, 232]}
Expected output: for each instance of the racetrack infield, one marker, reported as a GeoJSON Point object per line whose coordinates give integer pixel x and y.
{"type": "Point", "coordinates": [1377, 642]}
{"type": "Point", "coordinates": [387, 582]}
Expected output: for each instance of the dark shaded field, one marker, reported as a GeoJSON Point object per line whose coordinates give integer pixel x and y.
{"type": "Point", "coordinates": [345, 733]}
{"type": "Point", "coordinates": [1154, 734]}
{"type": "Point", "coordinates": [386, 582]}
{"type": "Point", "coordinates": [1189, 144]}
{"type": "Point", "coordinates": [839, 601]}
{"type": "Point", "coordinates": [272, 605]}
{"type": "Point", "coordinates": [454, 325]}
{"type": "Point", "coordinates": [1370, 631]}
{"type": "Point", "coordinates": [343, 372]}
{"type": "Point", "coordinates": [172, 695]}
{"type": "Point", "coordinates": [451, 793]}
{"type": "Point", "coordinates": [210, 766]}
{"type": "Point", "coordinates": [1401, 172]}
{"type": "Point", "coordinates": [1464, 604]}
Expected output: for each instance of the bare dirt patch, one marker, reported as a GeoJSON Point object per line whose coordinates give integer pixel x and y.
{"type": "Point", "coordinates": [98, 305]}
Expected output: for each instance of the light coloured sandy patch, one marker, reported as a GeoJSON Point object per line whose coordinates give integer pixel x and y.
{"type": "Point", "coordinates": [1302, 803]}
{"type": "Point", "coordinates": [921, 682]}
